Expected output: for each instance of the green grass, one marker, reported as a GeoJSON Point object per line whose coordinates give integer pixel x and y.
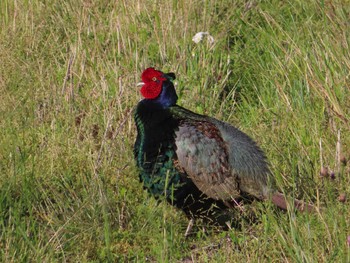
{"type": "Point", "coordinates": [69, 188]}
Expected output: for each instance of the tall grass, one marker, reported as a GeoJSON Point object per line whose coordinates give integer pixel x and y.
{"type": "Point", "coordinates": [69, 189]}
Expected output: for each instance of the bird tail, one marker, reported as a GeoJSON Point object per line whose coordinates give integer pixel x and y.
{"type": "Point", "coordinates": [281, 201]}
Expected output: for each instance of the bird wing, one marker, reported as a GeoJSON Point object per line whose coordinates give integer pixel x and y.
{"type": "Point", "coordinates": [203, 155]}
{"type": "Point", "coordinates": [247, 160]}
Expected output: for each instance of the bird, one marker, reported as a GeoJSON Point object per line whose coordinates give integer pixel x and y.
{"type": "Point", "coordinates": [197, 163]}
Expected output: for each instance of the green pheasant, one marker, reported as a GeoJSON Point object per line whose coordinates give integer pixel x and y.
{"type": "Point", "coordinates": [200, 164]}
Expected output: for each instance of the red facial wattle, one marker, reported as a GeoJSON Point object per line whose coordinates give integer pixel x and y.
{"type": "Point", "coordinates": [153, 81]}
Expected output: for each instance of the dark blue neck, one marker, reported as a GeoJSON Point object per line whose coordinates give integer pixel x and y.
{"type": "Point", "coordinates": [166, 98]}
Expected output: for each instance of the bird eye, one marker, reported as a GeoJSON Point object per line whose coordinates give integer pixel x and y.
{"type": "Point", "coordinates": [154, 79]}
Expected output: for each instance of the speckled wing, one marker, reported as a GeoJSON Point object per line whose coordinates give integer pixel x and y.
{"type": "Point", "coordinates": [202, 154]}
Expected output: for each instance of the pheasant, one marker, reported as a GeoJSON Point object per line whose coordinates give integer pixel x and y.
{"type": "Point", "coordinates": [198, 163]}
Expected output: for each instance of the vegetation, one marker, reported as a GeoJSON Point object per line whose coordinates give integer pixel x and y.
{"type": "Point", "coordinates": [69, 189]}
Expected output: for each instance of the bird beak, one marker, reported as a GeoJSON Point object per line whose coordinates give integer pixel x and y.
{"type": "Point", "coordinates": [140, 84]}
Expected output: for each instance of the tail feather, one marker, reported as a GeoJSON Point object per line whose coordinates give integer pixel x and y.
{"type": "Point", "coordinates": [281, 201]}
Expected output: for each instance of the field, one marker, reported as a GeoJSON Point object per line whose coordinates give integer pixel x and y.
{"type": "Point", "coordinates": [69, 188]}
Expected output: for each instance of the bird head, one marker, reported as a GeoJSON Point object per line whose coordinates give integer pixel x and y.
{"type": "Point", "coordinates": [158, 88]}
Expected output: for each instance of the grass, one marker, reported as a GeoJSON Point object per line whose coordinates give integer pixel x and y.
{"type": "Point", "coordinates": [69, 188]}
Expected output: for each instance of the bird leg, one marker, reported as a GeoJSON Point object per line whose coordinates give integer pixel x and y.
{"type": "Point", "coordinates": [235, 204]}
{"type": "Point", "coordinates": [189, 227]}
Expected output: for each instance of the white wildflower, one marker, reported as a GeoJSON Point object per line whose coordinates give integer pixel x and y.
{"type": "Point", "coordinates": [199, 37]}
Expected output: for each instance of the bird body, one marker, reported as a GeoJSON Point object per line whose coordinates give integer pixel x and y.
{"type": "Point", "coordinates": [196, 162]}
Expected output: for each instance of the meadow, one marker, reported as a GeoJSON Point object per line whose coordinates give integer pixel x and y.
{"type": "Point", "coordinates": [69, 188]}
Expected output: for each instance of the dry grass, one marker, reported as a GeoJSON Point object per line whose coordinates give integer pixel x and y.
{"type": "Point", "coordinates": [69, 189]}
